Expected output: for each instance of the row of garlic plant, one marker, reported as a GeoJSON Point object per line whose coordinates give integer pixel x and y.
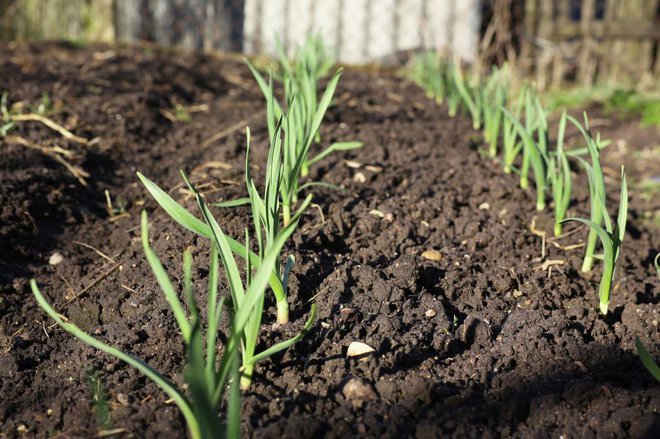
{"type": "Point", "coordinates": [524, 130]}
{"type": "Point", "coordinates": [521, 127]}
{"type": "Point", "coordinates": [293, 129]}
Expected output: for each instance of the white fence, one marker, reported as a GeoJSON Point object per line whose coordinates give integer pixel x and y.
{"type": "Point", "coordinates": [364, 30]}
{"type": "Point", "coordinates": [358, 30]}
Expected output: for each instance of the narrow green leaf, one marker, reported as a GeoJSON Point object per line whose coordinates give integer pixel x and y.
{"type": "Point", "coordinates": [647, 360]}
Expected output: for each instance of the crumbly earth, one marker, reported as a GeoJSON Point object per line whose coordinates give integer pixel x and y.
{"type": "Point", "coordinates": [428, 253]}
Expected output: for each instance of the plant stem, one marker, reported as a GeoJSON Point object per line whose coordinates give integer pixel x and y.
{"type": "Point", "coordinates": [589, 255]}
{"type": "Point", "coordinates": [304, 169]}
{"type": "Point", "coordinates": [540, 201]}
{"type": "Point", "coordinates": [557, 229]}
{"type": "Point", "coordinates": [286, 214]}
{"type": "Point", "coordinates": [246, 376]}
{"type": "Point", "coordinates": [283, 311]}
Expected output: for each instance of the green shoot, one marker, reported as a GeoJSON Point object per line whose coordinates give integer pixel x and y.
{"type": "Point", "coordinates": [186, 219]}
{"type": "Point", "coordinates": [299, 134]}
{"type": "Point", "coordinates": [611, 239]}
{"type": "Point", "coordinates": [532, 153]}
{"type": "Point", "coordinates": [454, 98]}
{"type": "Point", "coordinates": [99, 400]}
{"type": "Point", "coordinates": [200, 408]}
{"type": "Point", "coordinates": [511, 144]}
{"type": "Point", "coordinates": [647, 360]}
{"type": "Point", "coordinates": [311, 61]}
{"type": "Point", "coordinates": [269, 255]}
{"type": "Point", "coordinates": [266, 213]}
{"type": "Point", "coordinates": [559, 174]}
{"type": "Point", "coordinates": [495, 96]}
{"type": "Point", "coordinates": [597, 190]}
{"type": "Point", "coordinates": [300, 78]}
{"type": "Point", "coordinates": [470, 94]}
{"type": "Point", "coordinates": [426, 72]}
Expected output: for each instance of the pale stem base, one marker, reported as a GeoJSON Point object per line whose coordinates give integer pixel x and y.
{"type": "Point", "coordinates": [282, 312]}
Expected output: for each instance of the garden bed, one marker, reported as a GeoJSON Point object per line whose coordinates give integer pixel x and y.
{"type": "Point", "coordinates": [429, 254]}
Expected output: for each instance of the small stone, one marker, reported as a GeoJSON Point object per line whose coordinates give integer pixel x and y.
{"type": "Point", "coordinates": [374, 169]}
{"type": "Point", "coordinates": [517, 293]}
{"type": "Point", "coordinates": [325, 325]}
{"type": "Point", "coordinates": [353, 164]}
{"type": "Point", "coordinates": [359, 177]}
{"type": "Point", "coordinates": [359, 349]}
{"type": "Point", "coordinates": [376, 212]}
{"type": "Point", "coordinates": [22, 429]}
{"type": "Point", "coordinates": [55, 258]}
{"type": "Point", "coordinates": [430, 313]}
{"type": "Point", "coordinates": [357, 392]}
{"type": "Point", "coordinates": [432, 255]}
{"type": "Point", "coordinates": [484, 206]}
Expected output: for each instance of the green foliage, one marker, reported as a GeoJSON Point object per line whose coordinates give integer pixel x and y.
{"type": "Point", "coordinates": [426, 72]}
{"type": "Point", "coordinates": [648, 361]}
{"type": "Point", "coordinates": [199, 408]}
{"type": "Point", "coordinates": [300, 125]}
{"type": "Point", "coordinates": [597, 190]}
{"type": "Point", "coordinates": [511, 143]}
{"type": "Point", "coordinates": [206, 380]}
{"type": "Point", "coordinates": [266, 212]}
{"type": "Point", "coordinates": [525, 131]}
{"type": "Point", "coordinates": [470, 90]}
{"type": "Point", "coordinates": [494, 98]}
{"type": "Point", "coordinates": [533, 150]}
{"type": "Point", "coordinates": [559, 175]}
{"type": "Point", "coordinates": [611, 238]}
{"type": "Point", "coordinates": [99, 400]}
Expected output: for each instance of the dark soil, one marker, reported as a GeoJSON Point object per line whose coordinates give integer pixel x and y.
{"type": "Point", "coordinates": [485, 342]}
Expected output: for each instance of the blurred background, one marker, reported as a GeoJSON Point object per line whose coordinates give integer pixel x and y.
{"type": "Point", "coordinates": [556, 42]}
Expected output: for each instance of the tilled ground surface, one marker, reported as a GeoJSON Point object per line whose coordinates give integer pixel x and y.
{"type": "Point", "coordinates": [487, 336]}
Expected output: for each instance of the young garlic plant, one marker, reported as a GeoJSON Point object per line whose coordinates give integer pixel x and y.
{"type": "Point", "coordinates": [597, 189]}
{"type": "Point", "coordinates": [559, 175]}
{"type": "Point", "coordinates": [495, 96]}
{"type": "Point", "coordinates": [611, 238]}
{"type": "Point", "coordinates": [300, 125]}
{"type": "Point", "coordinates": [533, 150]}
{"type": "Point", "coordinates": [311, 62]}
{"type": "Point", "coordinates": [471, 94]}
{"type": "Point", "coordinates": [206, 379]}
{"type": "Point", "coordinates": [266, 213]}
{"type": "Point", "coordinates": [511, 143]}
{"type": "Point", "coordinates": [427, 73]}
